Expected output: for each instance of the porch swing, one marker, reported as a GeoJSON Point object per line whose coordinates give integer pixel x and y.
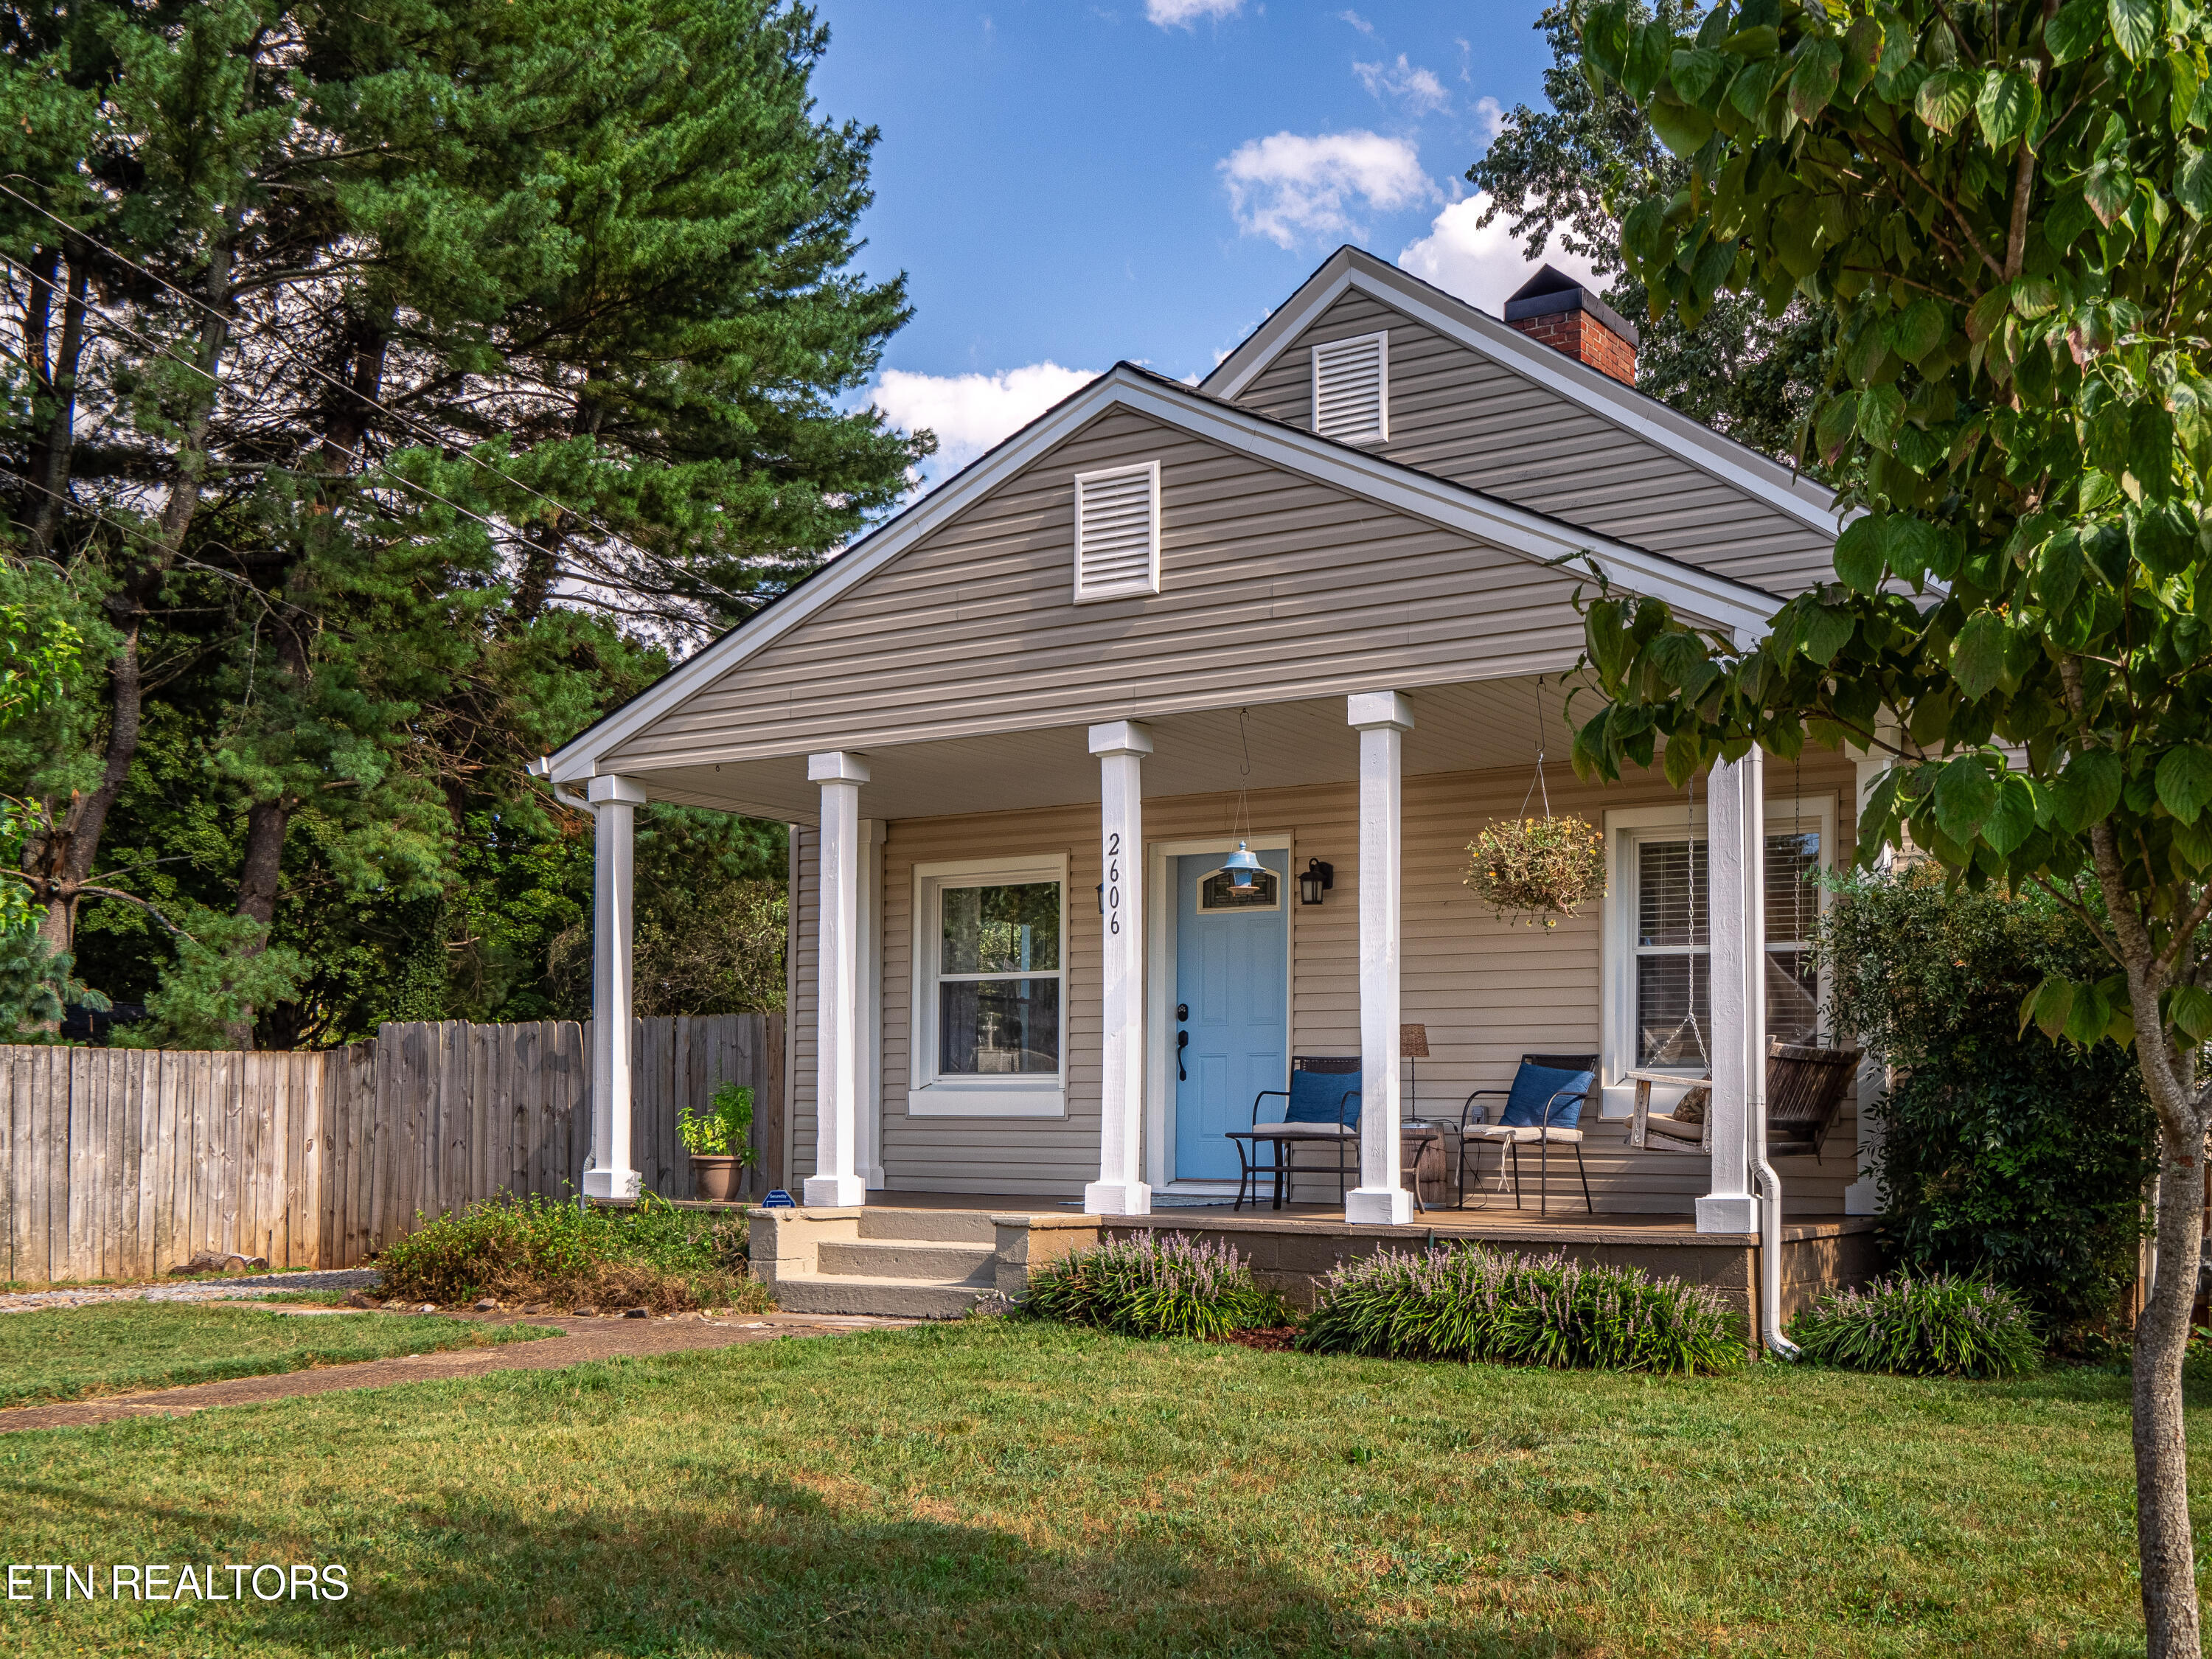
{"type": "Point", "coordinates": [1806, 1083]}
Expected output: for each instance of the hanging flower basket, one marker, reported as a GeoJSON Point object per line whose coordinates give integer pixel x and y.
{"type": "Point", "coordinates": [1539, 869]}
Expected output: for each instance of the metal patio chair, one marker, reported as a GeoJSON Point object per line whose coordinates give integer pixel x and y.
{"type": "Point", "coordinates": [1318, 1109]}
{"type": "Point", "coordinates": [1544, 1107]}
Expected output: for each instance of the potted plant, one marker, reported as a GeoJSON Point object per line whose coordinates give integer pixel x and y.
{"type": "Point", "coordinates": [720, 1140]}
{"type": "Point", "coordinates": [1540, 869]}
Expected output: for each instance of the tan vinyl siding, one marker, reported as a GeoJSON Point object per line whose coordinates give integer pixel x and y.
{"type": "Point", "coordinates": [1458, 414]}
{"type": "Point", "coordinates": [1487, 990]}
{"type": "Point", "coordinates": [1273, 587]}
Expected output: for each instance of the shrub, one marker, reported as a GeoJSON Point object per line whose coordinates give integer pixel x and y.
{"type": "Point", "coordinates": [1149, 1286]}
{"type": "Point", "coordinates": [536, 1248]}
{"type": "Point", "coordinates": [1935, 1326]}
{"type": "Point", "coordinates": [2014, 1159]}
{"type": "Point", "coordinates": [1470, 1303]}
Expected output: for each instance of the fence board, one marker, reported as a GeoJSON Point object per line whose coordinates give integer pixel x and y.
{"type": "Point", "coordinates": [125, 1164]}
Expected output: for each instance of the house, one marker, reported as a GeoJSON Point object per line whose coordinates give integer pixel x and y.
{"type": "Point", "coordinates": [1322, 605]}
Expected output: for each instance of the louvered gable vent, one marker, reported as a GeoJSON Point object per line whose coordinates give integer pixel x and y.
{"type": "Point", "coordinates": [1351, 389]}
{"type": "Point", "coordinates": [1117, 532]}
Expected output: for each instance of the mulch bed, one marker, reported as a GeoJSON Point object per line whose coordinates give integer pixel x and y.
{"type": "Point", "coordinates": [1270, 1338]}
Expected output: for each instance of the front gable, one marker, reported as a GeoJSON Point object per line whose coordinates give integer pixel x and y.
{"type": "Point", "coordinates": [1475, 411]}
{"type": "Point", "coordinates": [1273, 586]}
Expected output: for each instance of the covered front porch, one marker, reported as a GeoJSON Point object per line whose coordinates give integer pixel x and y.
{"type": "Point", "coordinates": [1072, 1082]}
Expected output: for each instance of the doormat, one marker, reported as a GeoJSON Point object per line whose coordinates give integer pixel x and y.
{"type": "Point", "coordinates": [1172, 1202]}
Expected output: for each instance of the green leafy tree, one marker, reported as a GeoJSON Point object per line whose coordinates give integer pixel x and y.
{"type": "Point", "coordinates": [2004, 205]}
{"type": "Point", "coordinates": [1568, 169]}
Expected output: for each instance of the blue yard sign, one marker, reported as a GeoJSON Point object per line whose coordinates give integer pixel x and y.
{"type": "Point", "coordinates": [779, 1199]}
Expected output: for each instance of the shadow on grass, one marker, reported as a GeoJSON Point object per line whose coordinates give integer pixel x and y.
{"type": "Point", "coordinates": [762, 1567]}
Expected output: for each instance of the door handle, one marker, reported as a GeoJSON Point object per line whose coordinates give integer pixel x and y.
{"type": "Point", "coordinates": [1182, 1042]}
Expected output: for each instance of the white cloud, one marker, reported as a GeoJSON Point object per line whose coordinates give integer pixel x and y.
{"type": "Point", "coordinates": [971, 413]}
{"type": "Point", "coordinates": [1185, 14]}
{"type": "Point", "coordinates": [1489, 120]}
{"type": "Point", "coordinates": [1356, 20]}
{"type": "Point", "coordinates": [1287, 186]}
{"type": "Point", "coordinates": [1483, 265]}
{"type": "Point", "coordinates": [1418, 88]}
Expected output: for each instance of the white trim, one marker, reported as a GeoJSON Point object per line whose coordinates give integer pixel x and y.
{"type": "Point", "coordinates": [1710, 452]}
{"type": "Point", "coordinates": [868, 1054]}
{"type": "Point", "coordinates": [1090, 592]}
{"type": "Point", "coordinates": [1729, 603]}
{"type": "Point", "coordinates": [929, 1095]}
{"type": "Point", "coordinates": [1380, 433]}
{"type": "Point", "coordinates": [1161, 912]}
{"type": "Point", "coordinates": [1623, 827]}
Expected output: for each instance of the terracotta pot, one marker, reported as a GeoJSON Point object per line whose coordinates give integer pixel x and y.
{"type": "Point", "coordinates": [716, 1180]}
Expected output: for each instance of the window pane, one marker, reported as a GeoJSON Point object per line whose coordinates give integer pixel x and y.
{"type": "Point", "coordinates": [1673, 898]}
{"type": "Point", "coordinates": [1793, 899]}
{"type": "Point", "coordinates": [1001, 930]}
{"type": "Point", "coordinates": [1674, 1010]}
{"type": "Point", "coordinates": [1216, 892]}
{"type": "Point", "coordinates": [1793, 995]}
{"type": "Point", "coordinates": [987, 1027]}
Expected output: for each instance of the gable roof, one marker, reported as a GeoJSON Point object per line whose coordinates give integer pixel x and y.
{"type": "Point", "coordinates": [1357, 472]}
{"type": "Point", "coordinates": [1355, 270]}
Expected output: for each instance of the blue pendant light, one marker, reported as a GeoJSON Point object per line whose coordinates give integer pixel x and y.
{"type": "Point", "coordinates": [1242, 865]}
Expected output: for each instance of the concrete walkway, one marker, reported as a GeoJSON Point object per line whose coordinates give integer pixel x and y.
{"type": "Point", "coordinates": [580, 1340]}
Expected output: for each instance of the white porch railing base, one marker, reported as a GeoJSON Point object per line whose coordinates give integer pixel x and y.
{"type": "Point", "coordinates": [612, 1183]}
{"type": "Point", "coordinates": [1728, 1212]}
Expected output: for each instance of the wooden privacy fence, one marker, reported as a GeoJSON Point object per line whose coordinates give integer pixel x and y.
{"type": "Point", "coordinates": [122, 1164]}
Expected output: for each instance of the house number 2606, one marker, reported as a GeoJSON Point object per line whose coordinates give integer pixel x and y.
{"type": "Point", "coordinates": [1114, 882]}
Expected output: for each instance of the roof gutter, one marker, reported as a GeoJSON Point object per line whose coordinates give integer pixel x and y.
{"type": "Point", "coordinates": [543, 768]}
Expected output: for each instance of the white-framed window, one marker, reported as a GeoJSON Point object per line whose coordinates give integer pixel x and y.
{"type": "Point", "coordinates": [1117, 532]}
{"type": "Point", "coordinates": [990, 1015]}
{"type": "Point", "coordinates": [1658, 949]}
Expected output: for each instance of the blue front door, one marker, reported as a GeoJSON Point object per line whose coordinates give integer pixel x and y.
{"type": "Point", "coordinates": [1231, 956]}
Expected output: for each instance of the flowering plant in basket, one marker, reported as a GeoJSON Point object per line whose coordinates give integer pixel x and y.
{"type": "Point", "coordinates": [1540, 869]}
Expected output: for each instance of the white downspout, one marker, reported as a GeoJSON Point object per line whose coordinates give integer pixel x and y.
{"type": "Point", "coordinates": [1767, 1183]}
{"type": "Point", "coordinates": [543, 768]}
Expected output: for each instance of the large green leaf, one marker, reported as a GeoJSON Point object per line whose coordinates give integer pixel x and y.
{"type": "Point", "coordinates": [2075, 31]}
{"type": "Point", "coordinates": [2090, 1014]}
{"type": "Point", "coordinates": [2012, 821]}
{"type": "Point", "coordinates": [2008, 107]}
{"type": "Point", "coordinates": [1977, 657]}
{"type": "Point", "coordinates": [1605, 36]}
{"type": "Point", "coordinates": [2135, 26]}
{"type": "Point", "coordinates": [1861, 52]}
{"type": "Point", "coordinates": [1918, 329]}
{"type": "Point", "coordinates": [1826, 632]}
{"type": "Point", "coordinates": [2047, 1005]}
{"type": "Point", "coordinates": [2184, 780]}
{"type": "Point", "coordinates": [2192, 184]}
{"type": "Point", "coordinates": [1946, 97]}
{"type": "Point", "coordinates": [2189, 1011]}
{"type": "Point", "coordinates": [2108, 187]}
{"type": "Point", "coordinates": [1682, 128]}
{"type": "Point", "coordinates": [2087, 790]}
{"type": "Point", "coordinates": [2059, 568]}
{"type": "Point", "coordinates": [1819, 60]}
{"type": "Point", "coordinates": [2163, 537]}
{"type": "Point", "coordinates": [1859, 559]}
{"type": "Point", "coordinates": [1966, 794]}
{"type": "Point", "coordinates": [1761, 40]}
{"type": "Point", "coordinates": [1880, 408]}
{"type": "Point", "coordinates": [1839, 422]}
{"type": "Point", "coordinates": [1648, 51]}
{"type": "Point", "coordinates": [1694, 69]}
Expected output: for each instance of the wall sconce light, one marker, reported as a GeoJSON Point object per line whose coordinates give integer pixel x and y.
{"type": "Point", "coordinates": [1314, 880]}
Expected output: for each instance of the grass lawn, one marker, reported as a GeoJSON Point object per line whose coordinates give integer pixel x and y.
{"type": "Point", "coordinates": [116, 1347]}
{"type": "Point", "coordinates": [989, 1489]}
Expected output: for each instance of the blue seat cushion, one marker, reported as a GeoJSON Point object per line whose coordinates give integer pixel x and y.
{"type": "Point", "coordinates": [1319, 1097]}
{"type": "Point", "coordinates": [1534, 1087]}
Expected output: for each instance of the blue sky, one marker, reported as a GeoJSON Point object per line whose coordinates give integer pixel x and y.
{"type": "Point", "coordinates": [1067, 184]}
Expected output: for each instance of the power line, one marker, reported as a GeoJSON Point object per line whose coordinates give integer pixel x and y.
{"type": "Point", "coordinates": [420, 428]}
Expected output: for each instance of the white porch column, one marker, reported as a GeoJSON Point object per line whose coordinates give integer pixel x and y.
{"type": "Point", "coordinates": [1121, 746]}
{"type": "Point", "coordinates": [1382, 718]}
{"type": "Point", "coordinates": [1736, 868]}
{"type": "Point", "coordinates": [867, 1055]}
{"type": "Point", "coordinates": [615, 801]}
{"type": "Point", "coordinates": [836, 1178]}
{"type": "Point", "coordinates": [1863, 1195]}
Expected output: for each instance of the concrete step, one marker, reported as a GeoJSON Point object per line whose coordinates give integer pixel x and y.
{"type": "Point", "coordinates": [936, 1226]}
{"type": "Point", "coordinates": [909, 1258]}
{"type": "Point", "coordinates": [889, 1298]}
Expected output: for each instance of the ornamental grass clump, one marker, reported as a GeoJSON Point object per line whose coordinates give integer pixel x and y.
{"type": "Point", "coordinates": [649, 1255]}
{"type": "Point", "coordinates": [1540, 869]}
{"type": "Point", "coordinates": [1934, 1325]}
{"type": "Point", "coordinates": [1151, 1285]}
{"type": "Point", "coordinates": [1470, 1303]}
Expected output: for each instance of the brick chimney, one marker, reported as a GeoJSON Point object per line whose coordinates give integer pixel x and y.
{"type": "Point", "coordinates": [1553, 307]}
